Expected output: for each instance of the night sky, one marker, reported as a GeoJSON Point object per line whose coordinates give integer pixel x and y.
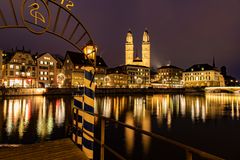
{"type": "Point", "coordinates": [182, 32]}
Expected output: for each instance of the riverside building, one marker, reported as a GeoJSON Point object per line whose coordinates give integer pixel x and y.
{"type": "Point", "coordinates": [72, 67]}
{"type": "Point", "coordinates": [132, 76]}
{"type": "Point", "coordinates": [168, 77]}
{"type": "Point", "coordinates": [203, 75]}
{"type": "Point", "coordinates": [46, 70]}
{"type": "Point", "coordinates": [18, 69]}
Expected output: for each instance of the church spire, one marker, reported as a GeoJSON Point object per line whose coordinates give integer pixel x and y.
{"type": "Point", "coordinates": [129, 38]}
{"type": "Point", "coordinates": [146, 36]}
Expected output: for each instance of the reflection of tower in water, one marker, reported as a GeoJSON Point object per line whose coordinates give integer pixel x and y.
{"type": "Point", "coordinates": [141, 118]}
{"type": "Point", "coordinates": [129, 133]}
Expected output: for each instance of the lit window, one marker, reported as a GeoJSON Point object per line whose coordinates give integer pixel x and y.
{"type": "Point", "coordinates": [52, 79]}
{"type": "Point", "coordinates": [202, 69]}
{"type": "Point", "coordinates": [11, 66]}
{"type": "Point", "coordinates": [45, 62]}
{"type": "Point", "coordinates": [45, 73]}
{"type": "Point", "coordinates": [51, 63]}
{"type": "Point", "coordinates": [68, 61]}
{"type": "Point", "coordinates": [17, 67]}
{"type": "Point", "coordinates": [51, 73]}
{"type": "Point", "coordinates": [28, 74]}
{"type": "Point", "coordinates": [17, 73]}
{"type": "Point", "coordinates": [45, 78]}
{"type": "Point", "coordinates": [77, 67]}
{"type": "Point", "coordinates": [41, 78]}
{"type": "Point", "coordinates": [41, 62]}
{"type": "Point", "coordinates": [41, 73]}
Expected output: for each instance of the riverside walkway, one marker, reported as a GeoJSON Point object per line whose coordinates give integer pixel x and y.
{"type": "Point", "coordinates": [53, 150]}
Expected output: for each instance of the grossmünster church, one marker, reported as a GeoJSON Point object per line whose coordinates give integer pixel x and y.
{"type": "Point", "coordinates": [132, 58]}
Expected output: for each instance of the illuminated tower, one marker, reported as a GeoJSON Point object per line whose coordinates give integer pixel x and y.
{"type": "Point", "coordinates": [146, 49]}
{"type": "Point", "coordinates": [129, 48]}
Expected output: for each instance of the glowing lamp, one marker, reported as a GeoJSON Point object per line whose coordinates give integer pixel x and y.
{"type": "Point", "coordinates": [90, 50]}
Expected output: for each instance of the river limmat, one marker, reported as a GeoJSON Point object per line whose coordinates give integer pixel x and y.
{"type": "Point", "coordinates": [208, 122]}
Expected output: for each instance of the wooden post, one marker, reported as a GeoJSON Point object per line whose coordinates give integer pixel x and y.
{"type": "Point", "coordinates": [88, 107]}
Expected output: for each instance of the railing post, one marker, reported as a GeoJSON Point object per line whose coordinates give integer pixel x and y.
{"type": "Point", "coordinates": [188, 155]}
{"type": "Point", "coordinates": [102, 138]}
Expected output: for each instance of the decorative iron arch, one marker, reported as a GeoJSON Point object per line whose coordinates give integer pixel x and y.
{"type": "Point", "coordinates": [77, 36]}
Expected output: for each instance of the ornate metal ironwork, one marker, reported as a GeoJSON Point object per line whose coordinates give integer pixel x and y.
{"type": "Point", "coordinates": [77, 35]}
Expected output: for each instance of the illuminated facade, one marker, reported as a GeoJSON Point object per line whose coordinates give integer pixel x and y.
{"type": "Point", "coordinates": [101, 70]}
{"type": "Point", "coordinates": [116, 78]}
{"type": "Point", "coordinates": [46, 70]}
{"type": "Point", "coordinates": [19, 69]}
{"type": "Point", "coordinates": [73, 68]}
{"type": "Point", "coordinates": [130, 59]}
{"type": "Point", "coordinates": [203, 75]}
{"type": "Point", "coordinates": [136, 76]}
{"type": "Point", "coordinates": [169, 76]}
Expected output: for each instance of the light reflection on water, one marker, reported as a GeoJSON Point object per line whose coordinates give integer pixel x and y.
{"type": "Point", "coordinates": [32, 119]}
{"type": "Point", "coordinates": [166, 111]}
{"type": "Point", "coordinates": [209, 106]}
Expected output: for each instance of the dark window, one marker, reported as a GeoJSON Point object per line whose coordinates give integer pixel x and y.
{"type": "Point", "coordinates": [11, 73]}
{"type": "Point", "coordinates": [43, 67]}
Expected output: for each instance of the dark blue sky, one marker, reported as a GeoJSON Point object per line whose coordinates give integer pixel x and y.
{"type": "Point", "coordinates": [183, 32]}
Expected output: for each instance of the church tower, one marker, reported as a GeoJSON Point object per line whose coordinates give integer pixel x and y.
{"type": "Point", "coordinates": [146, 49]}
{"type": "Point", "coordinates": [129, 48]}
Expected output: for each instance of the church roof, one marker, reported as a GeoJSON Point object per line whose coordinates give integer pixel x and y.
{"type": "Point", "coordinates": [137, 59]}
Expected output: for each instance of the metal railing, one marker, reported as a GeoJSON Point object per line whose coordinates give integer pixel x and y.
{"type": "Point", "coordinates": [189, 151]}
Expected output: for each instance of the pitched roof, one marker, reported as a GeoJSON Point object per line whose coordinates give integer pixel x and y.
{"type": "Point", "coordinates": [100, 62]}
{"type": "Point", "coordinates": [200, 67]}
{"type": "Point", "coordinates": [169, 66]}
{"type": "Point", "coordinates": [8, 56]}
{"type": "Point", "coordinates": [118, 70]}
{"type": "Point", "coordinates": [78, 58]}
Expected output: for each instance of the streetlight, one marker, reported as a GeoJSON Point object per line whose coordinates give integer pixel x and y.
{"type": "Point", "coordinates": [90, 51]}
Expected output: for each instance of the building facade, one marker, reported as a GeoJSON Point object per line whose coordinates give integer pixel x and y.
{"type": "Point", "coordinates": [116, 78]}
{"type": "Point", "coordinates": [169, 76]}
{"type": "Point", "coordinates": [136, 76]}
{"type": "Point", "coordinates": [130, 56]}
{"type": "Point", "coordinates": [19, 69]}
{"type": "Point", "coordinates": [73, 69]}
{"type": "Point", "coordinates": [46, 70]}
{"type": "Point", "coordinates": [203, 75]}
{"type": "Point", "coordinates": [101, 71]}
